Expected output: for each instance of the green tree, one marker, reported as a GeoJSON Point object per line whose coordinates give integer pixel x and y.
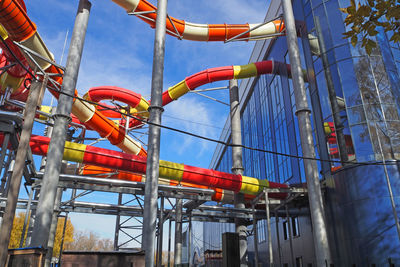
{"type": "Point", "coordinates": [364, 18]}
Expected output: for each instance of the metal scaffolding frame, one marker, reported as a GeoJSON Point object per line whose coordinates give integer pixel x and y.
{"type": "Point", "coordinates": [130, 205]}
{"type": "Point", "coordinates": [129, 208]}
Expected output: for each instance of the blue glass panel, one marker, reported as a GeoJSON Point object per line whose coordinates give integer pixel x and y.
{"type": "Point", "coordinates": [349, 83]}
{"type": "Point", "coordinates": [335, 22]}
{"type": "Point", "coordinates": [362, 143]}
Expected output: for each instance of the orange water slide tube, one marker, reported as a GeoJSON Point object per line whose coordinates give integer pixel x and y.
{"type": "Point", "coordinates": [201, 32]}
{"type": "Point", "coordinates": [20, 28]}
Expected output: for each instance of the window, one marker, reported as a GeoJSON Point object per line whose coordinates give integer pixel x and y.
{"type": "Point", "coordinates": [295, 226]}
{"type": "Point", "coordinates": [285, 230]}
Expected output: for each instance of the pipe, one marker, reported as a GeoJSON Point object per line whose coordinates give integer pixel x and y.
{"type": "Point", "coordinates": [237, 166]}
{"type": "Point", "coordinates": [153, 158]}
{"type": "Point", "coordinates": [178, 233]}
{"type": "Point", "coordinates": [320, 235]}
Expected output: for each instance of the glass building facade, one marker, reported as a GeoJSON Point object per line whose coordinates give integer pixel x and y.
{"type": "Point", "coordinates": [366, 90]}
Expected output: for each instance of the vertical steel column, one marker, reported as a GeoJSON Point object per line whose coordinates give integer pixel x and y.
{"type": "Point", "coordinates": [190, 240]}
{"type": "Point", "coordinates": [237, 166]}
{"type": "Point", "coordinates": [117, 225]}
{"type": "Point", "coordinates": [271, 257]}
{"type": "Point", "coordinates": [4, 148]}
{"type": "Point", "coordinates": [255, 239]}
{"type": "Point", "coordinates": [320, 235]}
{"type": "Point", "coordinates": [277, 238]}
{"type": "Point", "coordinates": [153, 156]}
{"type": "Point", "coordinates": [344, 158]}
{"type": "Point", "coordinates": [27, 215]}
{"type": "Point", "coordinates": [290, 227]}
{"type": "Point", "coordinates": [160, 233]}
{"type": "Point", "coordinates": [169, 243]}
{"type": "Point", "coordinates": [61, 119]}
{"type": "Point", "coordinates": [16, 177]}
{"type": "Point", "coordinates": [32, 219]}
{"type": "Point", "coordinates": [178, 233]}
{"type": "Point", "coordinates": [7, 173]}
{"type": "Point", "coordinates": [53, 228]}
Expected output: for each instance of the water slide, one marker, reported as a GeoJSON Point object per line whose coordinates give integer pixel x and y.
{"type": "Point", "coordinates": [133, 168]}
{"type": "Point", "coordinates": [19, 28]}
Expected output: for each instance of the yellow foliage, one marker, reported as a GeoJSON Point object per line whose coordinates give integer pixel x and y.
{"type": "Point", "coordinates": [17, 231]}
{"type": "Point", "coordinates": [68, 237]}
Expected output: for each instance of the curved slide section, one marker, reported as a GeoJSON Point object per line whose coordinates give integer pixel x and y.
{"type": "Point", "coordinates": [20, 28]}
{"type": "Point", "coordinates": [139, 105]}
{"type": "Point", "coordinates": [201, 32]}
{"type": "Point", "coordinates": [209, 32]}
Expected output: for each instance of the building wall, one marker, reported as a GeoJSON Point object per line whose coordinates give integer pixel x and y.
{"type": "Point", "coordinates": [358, 211]}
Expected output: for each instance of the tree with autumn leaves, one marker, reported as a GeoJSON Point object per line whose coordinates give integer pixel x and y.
{"type": "Point", "coordinates": [365, 17]}
{"type": "Point", "coordinates": [18, 224]}
{"type": "Point", "coordinates": [73, 240]}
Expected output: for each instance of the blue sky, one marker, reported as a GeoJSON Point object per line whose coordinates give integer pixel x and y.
{"type": "Point", "coordinates": [118, 51]}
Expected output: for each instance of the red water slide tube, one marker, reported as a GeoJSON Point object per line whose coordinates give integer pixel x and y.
{"type": "Point", "coordinates": [168, 170]}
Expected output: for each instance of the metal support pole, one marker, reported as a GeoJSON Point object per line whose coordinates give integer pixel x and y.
{"type": "Point", "coordinates": [271, 257]}
{"type": "Point", "coordinates": [341, 142]}
{"type": "Point", "coordinates": [16, 177]}
{"type": "Point", "coordinates": [61, 119]}
{"type": "Point", "coordinates": [9, 165]}
{"type": "Point", "coordinates": [117, 225]}
{"type": "Point", "coordinates": [190, 240]}
{"type": "Point", "coordinates": [169, 243]}
{"type": "Point", "coordinates": [320, 235]}
{"type": "Point", "coordinates": [4, 148]}
{"type": "Point", "coordinates": [237, 166]}
{"type": "Point", "coordinates": [153, 155]}
{"type": "Point", "coordinates": [26, 220]}
{"type": "Point", "coordinates": [289, 229]}
{"type": "Point", "coordinates": [32, 219]}
{"type": "Point", "coordinates": [53, 228]}
{"type": "Point", "coordinates": [277, 237]}
{"type": "Point", "coordinates": [255, 239]}
{"type": "Point", "coordinates": [160, 233]}
{"type": "Point", "coordinates": [178, 233]}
